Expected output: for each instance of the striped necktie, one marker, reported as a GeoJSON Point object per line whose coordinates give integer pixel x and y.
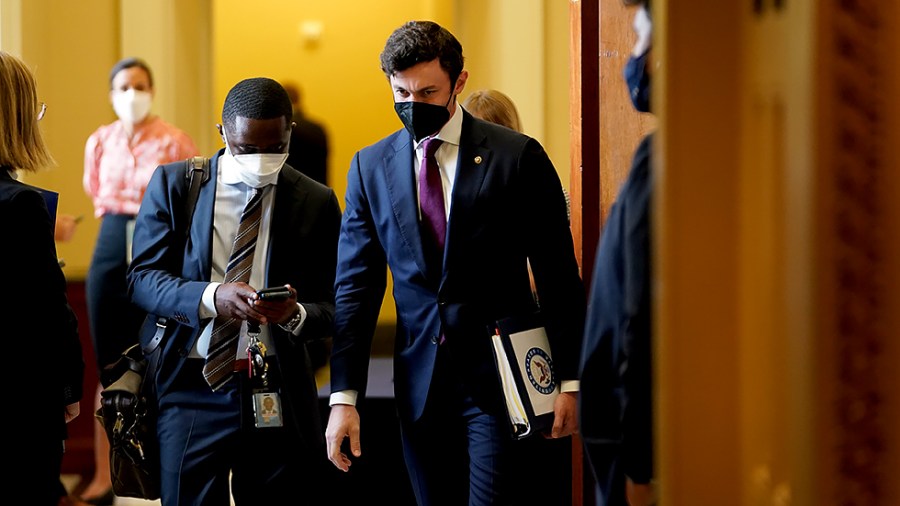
{"type": "Point", "coordinates": [226, 331]}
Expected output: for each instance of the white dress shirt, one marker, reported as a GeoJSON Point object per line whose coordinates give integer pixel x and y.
{"type": "Point", "coordinates": [231, 196]}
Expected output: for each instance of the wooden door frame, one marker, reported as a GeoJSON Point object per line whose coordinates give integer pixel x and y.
{"type": "Point", "coordinates": [584, 114]}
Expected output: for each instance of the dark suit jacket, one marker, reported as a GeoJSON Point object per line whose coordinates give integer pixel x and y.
{"type": "Point", "coordinates": [506, 206]}
{"type": "Point", "coordinates": [616, 419]}
{"type": "Point", "coordinates": [167, 278]}
{"type": "Point", "coordinates": [47, 363]}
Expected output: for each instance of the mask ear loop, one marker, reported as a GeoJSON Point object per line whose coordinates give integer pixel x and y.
{"type": "Point", "coordinates": [225, 140]}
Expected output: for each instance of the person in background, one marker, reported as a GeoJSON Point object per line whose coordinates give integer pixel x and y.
{"type": "Point", "coordinates": [119, 159]}
{"type": "Point", "coordinates": [616, 408]}
{"type": "Point", "coordinates": [40, 329]}
{"type": "Point", "coordinates": [453, 279]}
{"type": "Point", "coordinates": [206, 290]}
{"type": "Point", "coordinates": [496, 107]}
{"type": "Point", "coordinates": [493, 106]}
{"type": "Point", "coordinates": [308, 152]}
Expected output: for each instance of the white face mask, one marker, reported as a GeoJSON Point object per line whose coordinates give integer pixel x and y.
{"type": "Point", "coordinates": [256, 169]}
{"type": "Point", "coordinates": [132, 106]}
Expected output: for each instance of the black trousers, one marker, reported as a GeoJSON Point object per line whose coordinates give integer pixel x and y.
{"type": "Point", "coordinates": [114, 320]}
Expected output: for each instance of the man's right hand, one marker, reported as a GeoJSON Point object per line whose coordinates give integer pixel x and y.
{"type": "Point", "coordinates": [235, 300]}
{"type": "Point", "coordinates": [640, 494]}
{"type": "Point", "coordinates": [343, 422]}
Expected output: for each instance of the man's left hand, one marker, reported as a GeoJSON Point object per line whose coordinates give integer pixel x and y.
{"type": "Point", "coordinates": [565, 415]}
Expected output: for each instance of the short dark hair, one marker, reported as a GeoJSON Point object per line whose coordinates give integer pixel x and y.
{"type": "Point", "coordinates": [257, 98]}
{"type": "Point", "coordinates": [127, 63]}
{"type": "Point", "coordinates": [418, 42]}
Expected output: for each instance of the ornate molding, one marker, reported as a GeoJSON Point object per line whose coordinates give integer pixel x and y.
{"type": "Point", "coordinates": [857, 172]}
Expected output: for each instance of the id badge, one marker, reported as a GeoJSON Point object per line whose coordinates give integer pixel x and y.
{"type": "Point", "coordinates": [267, 409]}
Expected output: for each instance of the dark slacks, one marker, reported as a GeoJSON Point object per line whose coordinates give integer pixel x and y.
{"type": "Point", "coordinates": [208, 439]}
{"type": "Point", "coordinates": [114, 320]}
{"type": "Point", "coordinates": [458, 454]}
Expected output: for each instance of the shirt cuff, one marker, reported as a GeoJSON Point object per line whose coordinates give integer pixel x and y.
{"type": "Point", "coordinates": [208, 302]}
{"type": "Point", "coordinates": [569, 386]}
{"type": "Point", "coordinates": [299, 326]}
{"type": "Point", "coordinates": [295, 326]}
{"type": "Point", "coordinates": [347, 397]}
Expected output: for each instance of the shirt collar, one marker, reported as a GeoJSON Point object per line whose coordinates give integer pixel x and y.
{"type": "Point", "coordinates": [451, 131]}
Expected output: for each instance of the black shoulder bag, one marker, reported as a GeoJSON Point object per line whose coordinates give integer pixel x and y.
{"type": "Point", "coordinates": [128, 407]}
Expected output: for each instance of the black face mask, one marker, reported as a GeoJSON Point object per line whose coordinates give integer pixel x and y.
{"type": "Point", "coordinates": [422, 119]}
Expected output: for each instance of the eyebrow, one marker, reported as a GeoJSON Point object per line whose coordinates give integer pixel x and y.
{"type": "Point", "coordinates": [430, 87]}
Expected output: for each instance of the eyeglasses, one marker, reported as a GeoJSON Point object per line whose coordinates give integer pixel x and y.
{"type": "Point", "coordinates": [43, 111]}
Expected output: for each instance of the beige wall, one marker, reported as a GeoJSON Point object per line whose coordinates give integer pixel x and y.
{"type": "Point", "coordinates": [521, 47]}
{"type": "Point", "coordinates": [70, 46]}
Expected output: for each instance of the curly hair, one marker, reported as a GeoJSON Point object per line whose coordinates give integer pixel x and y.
{"type": "Point", "coordinates": [257, 98]}
{"type": "Point", "coordinates": [421, 41]}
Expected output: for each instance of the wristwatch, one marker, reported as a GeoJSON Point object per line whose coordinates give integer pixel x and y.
{"type": "Point", "coordinates": [291, 324]}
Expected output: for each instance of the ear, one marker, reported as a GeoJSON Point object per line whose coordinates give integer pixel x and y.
{"type": "Point", "coordinates": [461, 82]}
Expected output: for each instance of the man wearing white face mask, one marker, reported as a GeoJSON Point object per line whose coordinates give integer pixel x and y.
{"type": "Point", "coordinates": [205, 380]}
{"type": "Point", "coordinates": [119, 159]}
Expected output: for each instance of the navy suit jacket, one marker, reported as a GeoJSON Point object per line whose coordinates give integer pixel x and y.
{"type": "Point", "coordinates": [506, 206]}
{"type": "Point", "coordinates": [167, 277]}
{"type": "Point", "coordinates": [615, 411]}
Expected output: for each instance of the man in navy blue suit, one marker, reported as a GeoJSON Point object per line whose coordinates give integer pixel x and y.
{"type": "Point", "coordinates": [453, 278]}
{"type": "Point", "coordinates": [207, 429]}
{"type": "Point", "coordinates": [616, 405]}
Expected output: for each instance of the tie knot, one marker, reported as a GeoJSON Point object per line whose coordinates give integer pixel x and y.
{"type": "Point", "coordinates": [430, 146]}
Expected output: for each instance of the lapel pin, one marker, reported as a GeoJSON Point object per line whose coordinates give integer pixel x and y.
{"type": "Point", "coordinates": [477, 160]}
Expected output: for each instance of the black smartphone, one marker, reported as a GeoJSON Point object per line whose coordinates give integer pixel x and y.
{"type": "Point", "coordinates": [274, 293]}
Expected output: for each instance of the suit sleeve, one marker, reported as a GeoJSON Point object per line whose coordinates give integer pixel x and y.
{"type": "Point", "coordinates": [154, 277]}
{"type": "Point", "coordinates": [551, 251]}
{"type": "Point", "coordinates": [359, 287]}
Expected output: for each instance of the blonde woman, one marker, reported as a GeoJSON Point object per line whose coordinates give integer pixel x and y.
{"type": "Point", "coordinates": [40, 330]}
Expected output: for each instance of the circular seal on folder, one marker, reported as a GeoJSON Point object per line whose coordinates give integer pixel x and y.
{"type": "Point", "coordinates": [540, 371]}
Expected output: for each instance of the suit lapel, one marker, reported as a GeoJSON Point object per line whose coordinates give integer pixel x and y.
{"type": "Point", "coordinates": [400, 180]}
{"type": "Point", "coordinates": [289, 200]}
{"type": "Point", "coordinates": [471, 168]}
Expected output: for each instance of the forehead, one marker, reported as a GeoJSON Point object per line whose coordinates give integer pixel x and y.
{"type": "Point", "coordinates": [420, 76]}
{"type": "Point", "coordinates": [258, 132]}
{"type": "Point", "coordinates": [131, 76]}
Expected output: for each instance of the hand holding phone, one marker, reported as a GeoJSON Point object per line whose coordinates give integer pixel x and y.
{"type": "Point", "coordinates": [275, 293]}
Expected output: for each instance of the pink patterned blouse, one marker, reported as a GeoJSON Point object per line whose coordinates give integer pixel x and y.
{"type": "Point", "coordinates": [116, 171]}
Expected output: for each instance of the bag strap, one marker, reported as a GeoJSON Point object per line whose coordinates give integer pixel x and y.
{"type": "Point", "coordinates": [196, 172]}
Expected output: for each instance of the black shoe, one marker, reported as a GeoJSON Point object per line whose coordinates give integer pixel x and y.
{"type": "Point", "coordinates": [105, 499]}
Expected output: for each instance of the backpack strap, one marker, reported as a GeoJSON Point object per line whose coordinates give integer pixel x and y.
{"type": "Point", "coordinates": [196, 172]}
